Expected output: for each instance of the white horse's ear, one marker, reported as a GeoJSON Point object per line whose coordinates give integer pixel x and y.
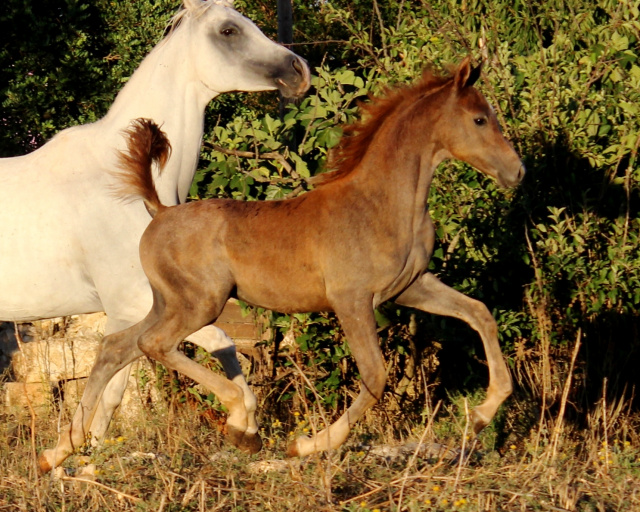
{"type": "Point", "coordinates": [192, 5]}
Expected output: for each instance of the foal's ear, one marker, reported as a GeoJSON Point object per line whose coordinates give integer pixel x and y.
{"type": "Point", "coordinates": [466, 75]}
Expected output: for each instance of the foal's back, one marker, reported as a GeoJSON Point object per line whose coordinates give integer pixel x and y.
{"type": "Point", "coordinates": [241, 245]}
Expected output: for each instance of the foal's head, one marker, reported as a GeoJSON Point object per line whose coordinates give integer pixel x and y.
{"type": "Point", "coordinates": [444, 115]}
{"type": "Point", "coordinates": [468, 128]}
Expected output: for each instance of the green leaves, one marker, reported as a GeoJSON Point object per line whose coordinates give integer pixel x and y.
{"type": "Point", "coordinates": [62, 63]}
{"type": "Point", "coordinates": [279, 155]}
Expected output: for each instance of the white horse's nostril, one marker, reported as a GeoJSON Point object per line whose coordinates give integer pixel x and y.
{"type": "Point", "coordinates": [298, 66]}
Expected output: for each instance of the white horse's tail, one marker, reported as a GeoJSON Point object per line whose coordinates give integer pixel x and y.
{"type": "Point", "coordinates": [146, 144]}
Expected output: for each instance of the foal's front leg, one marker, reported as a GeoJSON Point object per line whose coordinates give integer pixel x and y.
{"type": "Point", "coordinates": [116, 351]}
{"type": "Point", "coordinates": [359, 325]}
{"type": "Point", "coordinates": [429, 294]}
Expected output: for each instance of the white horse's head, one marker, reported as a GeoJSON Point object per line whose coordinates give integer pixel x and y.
{"type": "Point", "coordinates": [232, 54]}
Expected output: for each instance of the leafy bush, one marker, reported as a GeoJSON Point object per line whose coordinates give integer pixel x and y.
{"type": "Point", "coordinates": [556, 261]}
{"type": "Point", "coordinates": [556, 258]}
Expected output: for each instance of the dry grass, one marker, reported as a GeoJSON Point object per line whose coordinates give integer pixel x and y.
{"type": "Point", "coordinates": [175, 459]}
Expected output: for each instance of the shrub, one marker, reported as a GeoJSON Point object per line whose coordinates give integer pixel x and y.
{"type": "Point", "coordinates": [556, 258]}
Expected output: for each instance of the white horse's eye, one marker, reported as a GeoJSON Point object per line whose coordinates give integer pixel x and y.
{"type": "Point", "coordinates": [229, 31]}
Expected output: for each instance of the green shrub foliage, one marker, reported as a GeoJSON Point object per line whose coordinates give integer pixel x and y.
{"type": "Point", "coordinates": [556, 260]}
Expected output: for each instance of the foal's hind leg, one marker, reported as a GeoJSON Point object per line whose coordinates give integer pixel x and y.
{"type": "Point", "coordinates": [210, 338]}
{"type": "Point", "coordinates": [160, 342]}
{"type": "Point", "coordinates": [429, 294]}
{"type": "Point", "coordinates": [221, 346]}
{"type": "Point", "coordinates": [358, 322]}
{"type": "Point", "coordinates": [116, 351]}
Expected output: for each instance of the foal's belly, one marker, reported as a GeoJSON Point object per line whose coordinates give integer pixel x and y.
{"type": "Point", "coordinates": [284, 295]}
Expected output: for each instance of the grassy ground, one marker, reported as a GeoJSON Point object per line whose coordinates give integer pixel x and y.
{"type": "Point", "coordinates": [176, 459]}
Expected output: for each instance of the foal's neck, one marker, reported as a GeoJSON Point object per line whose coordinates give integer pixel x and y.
{"type": "Point", "coordinates": [399, 164]}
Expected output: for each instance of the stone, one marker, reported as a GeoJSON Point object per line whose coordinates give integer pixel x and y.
{"type": "Point", "coordinates": [20, 395]}
{"type": "Point", "coordinates": [55, 359]}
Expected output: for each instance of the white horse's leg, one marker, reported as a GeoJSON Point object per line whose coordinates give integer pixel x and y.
{"type": "Point", "coordinates": [215, 341]}
{"type": "Point", "coordinates": [113, 392]}
{"type": "Point", "coordinates": [431, 295]}
{"type": "Point", "coordinates": [109, 402]}
{"type": "Point", "coordinates": [117, 351]}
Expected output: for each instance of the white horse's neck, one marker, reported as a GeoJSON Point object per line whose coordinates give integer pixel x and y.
{"type": "Point", "coordinates": [164, 88]}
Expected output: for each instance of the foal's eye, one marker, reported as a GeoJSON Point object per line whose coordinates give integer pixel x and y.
{"type": "Point", "coordinates": [480, 121]}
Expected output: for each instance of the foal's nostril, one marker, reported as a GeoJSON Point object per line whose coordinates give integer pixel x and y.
{"type": "Point", "coordinates": [521, 172]}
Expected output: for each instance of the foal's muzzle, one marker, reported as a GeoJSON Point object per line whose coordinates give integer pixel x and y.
{"type": "Point", "coordinates": [513, 180]}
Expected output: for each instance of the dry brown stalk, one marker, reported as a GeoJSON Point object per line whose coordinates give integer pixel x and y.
{"type": "Point", "coordinates": [415, 453]}
{"type": "Point", "coordinates": [313, 390]}
{"type": "Point", "coordinates": [605, 426]}
{"type": "Point", "coordinates": [327, 477]}
{"type": "Point", "coordinates": [163, 501]}
{"type": "Point", "coordinates": [102, 486]}
{"type": "Point", "coordinates": [271, 155]}
{"type": "Point", "coordinates": [464, 443]}
{"type": "Point", "coordinates": [565, 394]}
{"type": "Point", "coordinates": [190, 493]}
{"type": "Point", "coordinates": [538, 311]}
{"type": "Point", "coordinates": [32, 413]}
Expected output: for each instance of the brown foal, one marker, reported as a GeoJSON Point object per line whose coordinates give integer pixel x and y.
{"type": "Point", "coordinates": [362, 237]}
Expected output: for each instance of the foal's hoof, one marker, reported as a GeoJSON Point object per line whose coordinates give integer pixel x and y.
{"type": "Point", "coordinates": [251, 443]}
{"type": "Point", "coordinates": [244, 441]}
{"type": "Point", "coordinates": [292, 450]}
{"type": "Point", "coordinates": [478, 422]}
{"type": "Point", "coordinates": [44, 464]}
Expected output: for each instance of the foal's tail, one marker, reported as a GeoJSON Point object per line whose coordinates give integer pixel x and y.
{"type": "Point", "coordinates": [146, 144]}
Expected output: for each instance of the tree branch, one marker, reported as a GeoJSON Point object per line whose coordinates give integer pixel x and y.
{"type": "Point", "coordinates": [272, 155]}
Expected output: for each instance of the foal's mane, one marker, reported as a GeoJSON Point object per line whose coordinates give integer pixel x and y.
{"type": "Point", "coordinates": [357, 137]}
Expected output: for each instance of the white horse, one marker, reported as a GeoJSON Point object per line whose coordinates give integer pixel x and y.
{"type": "Point", "coordinates": [67, 244]}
